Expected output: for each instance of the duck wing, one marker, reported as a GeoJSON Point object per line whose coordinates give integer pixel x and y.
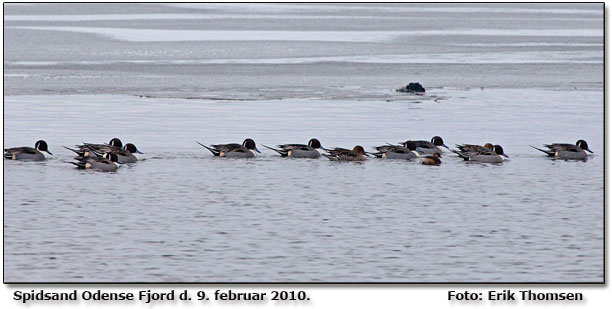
{"type": "Point", "coordinates": [423, 144]}
{"type": "Point", "coordinates": [563, 147]}
{"type": "Point", "coordinates": [294, 147]}
{"type": "Point", "coordinates": [342, 152]}
{"type": "Point", "coordinates": [392, 148]}
{"type": "Point", "coordinates": [17, 150]}
{"type": "Point", "coordinates": [238, 149]}
{"type": "Point", "coordinates": [470, 148]}
{"type": "Point", "coordinates": [226, 147]}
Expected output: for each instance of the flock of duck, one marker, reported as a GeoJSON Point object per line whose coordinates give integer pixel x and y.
{"type": "Point", "coordinates": [108, 157]}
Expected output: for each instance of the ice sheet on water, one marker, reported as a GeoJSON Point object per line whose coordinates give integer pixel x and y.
{"type": "Point", "coordinates": [163, 35]}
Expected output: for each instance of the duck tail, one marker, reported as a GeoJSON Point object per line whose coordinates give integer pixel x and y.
{"type": "Point", "coordinates": [281, 152]}
{"type": "Point", "coordinates": [549, 153]}
{"type": "Point", "coordinates": [79, 165]}
{"type": "Point", "coordinates": [331, 157]}
{"type": "Point", "coordinates": [462, 155]}
{"type": "Point", "coordinates": [375, 154]}
{"type": "Point", "coordinates": [85, 153]}
{"type": "Point", "coordinates": [214, 151]}
{"type": "Point", "coordinates": [74, 150]}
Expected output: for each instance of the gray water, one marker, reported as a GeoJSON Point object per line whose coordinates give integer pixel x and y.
{"type": "Point", "coordinates": [166, 76]}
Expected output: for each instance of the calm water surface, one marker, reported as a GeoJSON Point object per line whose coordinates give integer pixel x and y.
{"type": "Point", "coordinates": [163, 76]}
{"type": "Point", "coordinates": [182, 215]}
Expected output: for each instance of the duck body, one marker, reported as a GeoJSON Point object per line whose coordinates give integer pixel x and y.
{"type": "Point", "coordinates": [571, 155]}
{"type": "Point", "coordinates": [474, 148]}
{"type": "Point", "coordinates": [476, 153]}
{"type": "Point", "coordinates": [312, 150]}
{"type": "Point", "coordinates": [434, 159]}
{"type": "Point", "coordinates": [39, 152]}
{"type": "Point", "coordinates": [343, 154]}
{"type": "Point", "coordinates": [107, 163]}
{"type": "Point", "coordinates": [248, 149]}
{"type": "Point", "coordinates": [405, 152]}
{"type": "Point", "coordinates": [97, 150]}
{"type": "Point", "coordinates": [567, 151]}
{"type": "Point", "coordinates": [429, 147]}
{"type": "Point", "coordinates": [237, 153]}
{"type": "Point", "coordinates": [486, 158]}
{"type": "Point", "coordinates": [126, 154]}
{"type": "Point", "coordinates": [399, 155]}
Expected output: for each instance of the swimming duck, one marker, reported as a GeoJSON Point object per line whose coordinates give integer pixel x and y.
{"type": "Point", "coordinates": [567, 151]}
{"type": "Point", "coordinates": [426, 147]}
{"type": "Point", "coordinates": [40, 152]}
{"type": "Point", "coordinates": [434, 159]}
{"type": "Point", "coordinates": [482, 154]}
{"type": "Point", "coordinates": [109, 162]}
{"type": "Point", "coordinates": [88, 149]}
{"type": "Point", "coordinates": [406, 151]}
{"type": "Point", "coordinates": [246, 150]}
{"type": "Point", "coordinates": [126, 154]}
{"type": "Point", "coordinates": [312, 150]}
{"type": "Point", "coordinates": [115, 142]}
{"type": "Point", "coordinates": [342, 154]}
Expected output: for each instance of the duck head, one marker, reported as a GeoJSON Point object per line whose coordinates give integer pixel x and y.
{"type": "Point", "coordinates": [116, 142]}
{"type": "Point", "coordinates": [42, 146]}
{"type": "Point", "coordinates": [359, 150]}
{"type": "Point", "coordinates": [410, 145]}
{"type": "Point", "coordinates": [499, 150]}
{"type": "Point", "coordinates": [131, 148]}
{"type": "Point", "coordinates": [250, 144]}
{"type": "Point", "coordinates": [314, 143]}
{"type": "Point", "coordinates": [436, 140]}
{"type": "Point", "coordinates": [583, 145]}
{"type": "Point", "coordinates": [112, 157]}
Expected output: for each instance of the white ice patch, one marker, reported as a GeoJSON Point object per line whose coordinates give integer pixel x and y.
{"type": "Point", "coordinates": [155, 35]}
{"type": "Point", "coordinates": [411, 9]}
{"type": "Point", "coordinates": [131, 17]}
{"type": "Point", "coordinates": [520, 57]}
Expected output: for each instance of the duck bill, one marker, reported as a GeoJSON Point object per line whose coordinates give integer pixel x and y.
{"type": "Point", "coordinates": [138, 151]}
{"type": "Point", "coordinates": [49, 152]}
{"type": "Point", "coordinates": [589, 150]}
{"type": "Point", "coordinates": [503, 154]}
{"type": "Point", "coordinates": [445, 146]}
{"type": "Point", "coordinates": [256, 150]}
